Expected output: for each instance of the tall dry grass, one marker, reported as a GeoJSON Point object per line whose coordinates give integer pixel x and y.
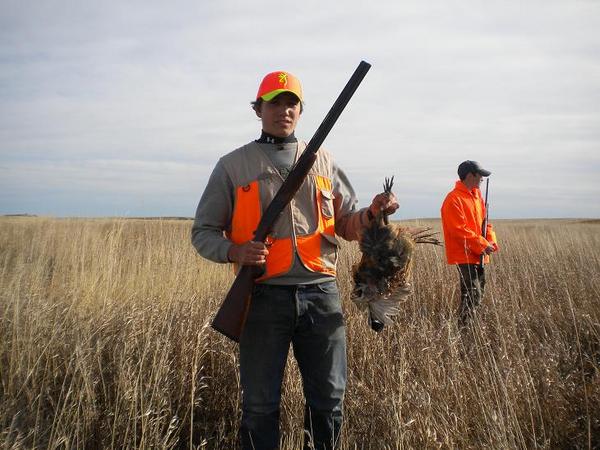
{"type": "Point", "coordinates": [105, 343]}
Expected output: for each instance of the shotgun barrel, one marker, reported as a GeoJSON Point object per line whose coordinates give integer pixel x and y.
{"type": "Point", "coordinates": [485, 220]}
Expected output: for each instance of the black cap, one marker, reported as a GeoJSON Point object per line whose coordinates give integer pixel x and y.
{"type": "Point", "coordinates": [468, 166]}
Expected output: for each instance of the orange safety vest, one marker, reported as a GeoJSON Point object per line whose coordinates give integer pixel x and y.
{"type": "Point", "coordinates": [463, 212]}
{"type": "Point", "coordinates": [306, 226]}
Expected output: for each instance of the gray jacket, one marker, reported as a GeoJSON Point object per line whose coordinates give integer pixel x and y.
{"type": "Point", "coordinates": [215, 210]}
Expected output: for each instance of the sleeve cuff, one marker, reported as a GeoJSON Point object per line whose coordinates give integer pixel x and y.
{"type": "Point", "coordinates": [224, 252]}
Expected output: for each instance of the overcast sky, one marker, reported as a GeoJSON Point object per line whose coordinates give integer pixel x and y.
{"type": "Point", "coordinates": [120, 108]}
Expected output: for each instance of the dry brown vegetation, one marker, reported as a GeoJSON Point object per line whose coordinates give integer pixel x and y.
{"type": "Point", "coordinates": [105, 343]}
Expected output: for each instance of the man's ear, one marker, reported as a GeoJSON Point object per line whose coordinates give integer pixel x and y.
{"type": "Point", "coordinates": [257, 112]}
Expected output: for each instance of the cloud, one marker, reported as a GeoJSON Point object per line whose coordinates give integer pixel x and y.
{"type": "Point", "coordinates": [149, 95]}
{"type": "Point", "coordinates": [89, 188]}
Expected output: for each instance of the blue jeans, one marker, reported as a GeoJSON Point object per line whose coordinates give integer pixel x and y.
{"type": "Point", "coordinates": [310, 318]}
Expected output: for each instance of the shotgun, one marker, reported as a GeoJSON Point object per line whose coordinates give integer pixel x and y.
{"type": "Point", "coordinates": [231, 316]}
{"type": "Point", "coordinates": [485, 219]}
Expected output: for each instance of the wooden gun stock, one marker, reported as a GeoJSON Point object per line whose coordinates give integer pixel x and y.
{"type": "Point", "coordinates": [232, 314]}
{"type": "Point", "coordinates": [231, 317]}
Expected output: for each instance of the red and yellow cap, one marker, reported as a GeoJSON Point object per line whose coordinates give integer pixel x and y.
{"type": "Point", "coordinates": [275, 83]}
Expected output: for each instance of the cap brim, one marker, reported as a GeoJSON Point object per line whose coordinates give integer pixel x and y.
{"type": "Point", "coordinates": [271, 95]}
{"type": "Point", "coordinates": [484, 173]}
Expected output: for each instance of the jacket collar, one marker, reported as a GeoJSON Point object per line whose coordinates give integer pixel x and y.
{"type": "Point", "coordinates": [461, 187]}
{"type": "Point", "coordinates": [266, 138]}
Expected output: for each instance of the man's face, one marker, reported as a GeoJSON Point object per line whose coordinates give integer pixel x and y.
{"type": "Point", "coordinates": [473, 180]}
{"type": "Point", "coordinates": [280, 116]}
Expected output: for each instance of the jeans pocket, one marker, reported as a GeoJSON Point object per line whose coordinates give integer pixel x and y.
{"type": "Point", "coordinates": [328, 287]}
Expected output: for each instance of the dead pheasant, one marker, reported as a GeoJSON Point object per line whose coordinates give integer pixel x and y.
{"type": "Point", "coordinates": [382, 277]}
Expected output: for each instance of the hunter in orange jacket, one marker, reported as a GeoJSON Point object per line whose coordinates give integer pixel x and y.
{"type": "Point", "coordinates": [463, 212]}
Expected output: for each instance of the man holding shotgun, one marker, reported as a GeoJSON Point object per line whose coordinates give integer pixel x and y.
{"type": "Point", "coordinates": [295, 300]}
{"type": "Point", "coordinates": [468, 236]}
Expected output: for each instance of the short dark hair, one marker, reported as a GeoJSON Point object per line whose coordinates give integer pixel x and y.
{"type": "Point", "coordinates": [464, 176]}
{"type": "Point", "coordinates": [256, 104]}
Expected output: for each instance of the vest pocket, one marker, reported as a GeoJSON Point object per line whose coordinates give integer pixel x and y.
{"type": "Point", "coordinates": [329, 251]}
{"type": "Point", "coordinates": [327, 203]}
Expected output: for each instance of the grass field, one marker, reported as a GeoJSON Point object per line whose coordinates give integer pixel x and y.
{"type": "Point", "coordinates": [105, 343]}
